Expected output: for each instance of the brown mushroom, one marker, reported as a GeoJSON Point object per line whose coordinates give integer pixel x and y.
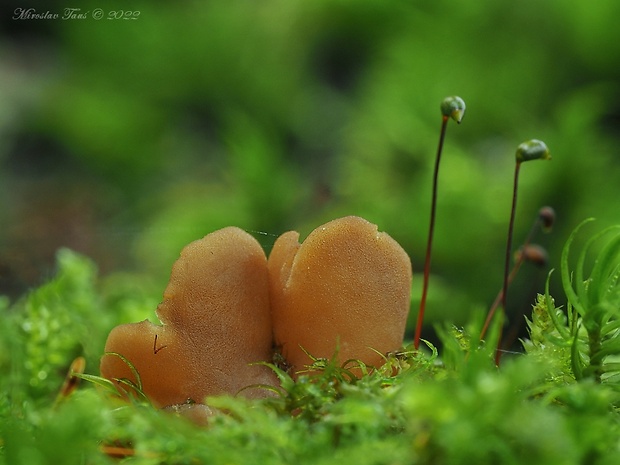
{"type": "Point", "coordinates": [347, 287]}
{"type": "Point", "coordinates": [215, 324]}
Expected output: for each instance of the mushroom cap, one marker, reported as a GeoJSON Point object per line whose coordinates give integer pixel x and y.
{"type": "Point", "coordinates": [216, 322]}
{"type": "Point", "coordinates": [346, 287]}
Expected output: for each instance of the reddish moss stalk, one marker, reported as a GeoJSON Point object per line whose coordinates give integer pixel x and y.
{"type": "Point", "coordinates": [451, 107]}
{"type": "Point", "coordinates": [431, 230]}
{"type": "Point", "coordinates": [530, 150]}
{"type": "Point", "coordinates": [546, 218]}
{"type": "Point", "coordinates": [498, 353]}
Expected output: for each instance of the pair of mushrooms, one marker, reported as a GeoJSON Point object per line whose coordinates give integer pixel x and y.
{"type": "Point", "coordinates": [226, 307]}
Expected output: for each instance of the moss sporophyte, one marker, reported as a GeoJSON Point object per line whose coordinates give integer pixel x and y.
{"type": "Point", "coordinates": [451, 107]}
{"type": "Point", "coordinates": [530, 150]}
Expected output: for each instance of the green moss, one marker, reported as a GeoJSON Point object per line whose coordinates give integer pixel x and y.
{"type": "Point", "coordinates": [429, 407]}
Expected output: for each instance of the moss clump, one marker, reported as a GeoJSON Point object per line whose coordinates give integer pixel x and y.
{"type": "Point", "coordinates": [449, 406]}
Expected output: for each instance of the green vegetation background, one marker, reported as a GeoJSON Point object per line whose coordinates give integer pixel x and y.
{"type": "Point", "coordinates": [126, 139]}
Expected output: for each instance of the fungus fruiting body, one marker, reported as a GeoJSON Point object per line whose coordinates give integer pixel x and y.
{"type": "Point", "coordinates": [215, 324]}
{"type": "Point", "coordinates": [345, 289]}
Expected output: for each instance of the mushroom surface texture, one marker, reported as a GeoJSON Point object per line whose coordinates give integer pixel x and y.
{"type": "Point", "coordinates": [346, 287]}
{"type": "Point", "coordinates": [216, 323]}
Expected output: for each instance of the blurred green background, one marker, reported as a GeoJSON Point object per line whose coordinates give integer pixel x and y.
{"type": "Point", "coordinates": [125, 139]}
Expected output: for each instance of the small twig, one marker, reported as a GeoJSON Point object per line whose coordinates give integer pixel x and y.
{"type": "Point", "coordinates": [72, 380]}
{"type": "Point", "coordinates": [155, 348]}
{"type": "Point", "coordinates": [121, 452]}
